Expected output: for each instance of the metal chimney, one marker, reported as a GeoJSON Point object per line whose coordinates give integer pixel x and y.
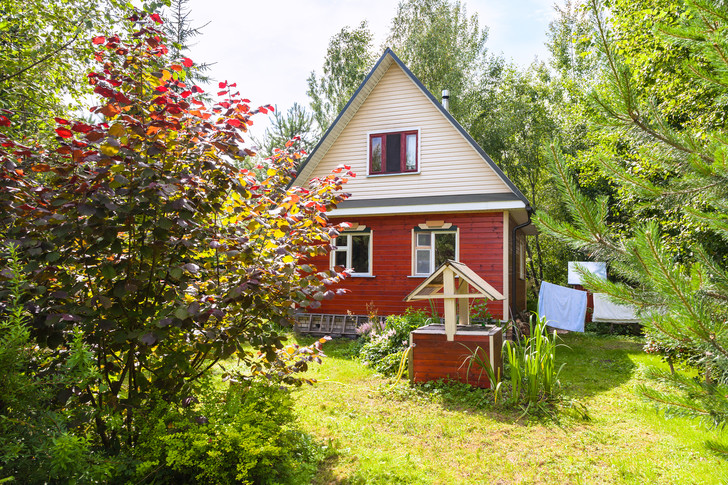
{"type": "Point", "coordinates": [446, 99]}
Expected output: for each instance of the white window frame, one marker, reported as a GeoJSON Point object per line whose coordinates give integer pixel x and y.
{"type": "Point", "coordinates": [347, 249]}
{"type": "Point", "coordinates": [431, 247]}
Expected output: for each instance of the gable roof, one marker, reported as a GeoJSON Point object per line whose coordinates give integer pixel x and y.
{"type": "Point", "coordinates": [359, 97]}
{"type": "Point", "coordinates": [432, 286]}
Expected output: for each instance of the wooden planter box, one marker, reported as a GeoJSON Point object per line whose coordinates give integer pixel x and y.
{"type": "Point", "coordinates": [433, 357]}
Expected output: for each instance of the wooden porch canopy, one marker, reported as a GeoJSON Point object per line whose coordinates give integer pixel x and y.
{"type": "Point", "coordinates": [441, 285]}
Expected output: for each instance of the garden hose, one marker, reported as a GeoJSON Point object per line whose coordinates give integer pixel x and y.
{"type": "Point", "coordinates": [401, 367]}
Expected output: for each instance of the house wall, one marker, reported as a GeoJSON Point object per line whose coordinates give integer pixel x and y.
{"type": "Point", "coordinates": [448, 164]}
{"type": "Point", "coordinates": [480, 247]}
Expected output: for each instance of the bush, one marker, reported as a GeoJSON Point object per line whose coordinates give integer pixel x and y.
{"type": "Point", "coordinates": [245, 433]}
{"type": "Point", "coordinates": [384, 349]}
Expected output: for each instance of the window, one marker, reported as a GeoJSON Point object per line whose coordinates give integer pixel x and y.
{"type": "Point", "coordinates": [431, 249]}
{"type": "Point", "coordinates": [393, 153]}
{"type": "Point", "coordinates": [353, 252]}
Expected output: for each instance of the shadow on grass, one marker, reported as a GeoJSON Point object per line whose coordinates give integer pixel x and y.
{"type": "Point", "coordinates": [595, 364]}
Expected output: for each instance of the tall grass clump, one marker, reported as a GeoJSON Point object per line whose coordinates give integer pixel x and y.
{"type": "Point", "coordinates": [532, 365]}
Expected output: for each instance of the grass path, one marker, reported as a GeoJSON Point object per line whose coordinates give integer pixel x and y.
{"type": "Point", "coordinates": [452, 435]}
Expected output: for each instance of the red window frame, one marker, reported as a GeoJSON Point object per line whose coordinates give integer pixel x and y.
{"type": "Point", "coordinates": [402, 152]}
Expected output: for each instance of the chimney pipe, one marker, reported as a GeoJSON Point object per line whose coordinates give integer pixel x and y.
{"type": "Point", "coordinates": [446, 99]}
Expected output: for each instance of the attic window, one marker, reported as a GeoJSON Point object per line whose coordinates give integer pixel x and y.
{"type": "Point", "coordinates": [393, 152]}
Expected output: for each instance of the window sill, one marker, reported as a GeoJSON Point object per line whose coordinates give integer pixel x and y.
{"type": "Point", "coordinates": [420, 276]}
{"type": "Point", "coordinates": [399, 174]}
{"type": "Point", "coordinates": [362, 276]}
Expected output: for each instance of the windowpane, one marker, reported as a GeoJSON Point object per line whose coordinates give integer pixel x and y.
{"type": "Point", "coordinates": [376, 154]}
{"type": "Point", "coordinates": [423, 239]}
{"type": "Point", "coordinates": [444, 247]}
{"type": "Point", "coordinates": [360, 254]}
{"type": "Point", "coordinates": [394, 153]}
{"type": "Point", "coordinates": [422, 261]}
{"type": "Point", "coordinates": [340, 258]}
{"type": "Point", "coordinates": [411, 163]}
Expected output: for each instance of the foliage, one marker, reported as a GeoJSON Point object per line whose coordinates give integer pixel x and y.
{"type": "Point", "coordinates": [479, 312]}
{"type": "Point", "coordinates": [384, 349]}
{"type": "Point", "coordinates": [44, 56]}
{"type": "Point", "coordinates": [349, 58]}
{"type": "Point", "coordinates": [445, 48]}
{"type": "Point", "coordinates": [144, 245]}
{"type": "Point", "coordinates": [669, 260]}
{"type": "Point", "coordinates": [180, 32]}
{"type": "Point", "coordinates": [292, 129]}
{"type": "Point", "coordinates": [244, 433]}
{"type": "Point", "coordinates": [532, 365]}
{"type": "Point", "coordinates": [37, 442]}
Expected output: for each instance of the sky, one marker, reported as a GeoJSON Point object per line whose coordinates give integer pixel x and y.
{"type": "Point", "coordinates": [270, 47]}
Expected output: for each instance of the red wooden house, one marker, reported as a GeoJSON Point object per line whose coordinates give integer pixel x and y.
{"type": "Point", "coordinates": [425, 192]}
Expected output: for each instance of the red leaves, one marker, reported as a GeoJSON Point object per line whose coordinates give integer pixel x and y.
{"type": "Point", "coordinates": [61, 121]}
{"type": "Point", "coordinates": [187, 62]}
{"type": "Point", "coordinates": [98, 40]}
{"type": "Point", "coordinates": [162, 89]}
{"type": "Point", "coordinates": [234, 122]}
{"type": "Point", "coordinates": [222, 84]}
{"type": "Point", "coordinates": [4, 121]}
{"type": "Point", "coordinates": [156, 18]}
{"type": "Point", "coordinates": [81, 127]}
{"type": "Point", "coordinates": [64, 132]}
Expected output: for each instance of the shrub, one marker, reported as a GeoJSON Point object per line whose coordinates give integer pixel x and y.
{"type": "Point", "coordinates": [384, 350]}
{"type": "Point", "coordinates": [146, 247]}
{"type": "Point", "coordinates": [244, 433]}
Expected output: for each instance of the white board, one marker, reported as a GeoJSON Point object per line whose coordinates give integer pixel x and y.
{"type": "Point", "coordinates": [596, 268]}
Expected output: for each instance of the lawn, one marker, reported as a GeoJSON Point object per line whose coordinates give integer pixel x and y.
{"type": "Point", "coordinates": [446, 434]}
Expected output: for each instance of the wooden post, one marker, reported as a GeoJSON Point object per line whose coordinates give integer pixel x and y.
{"type": "Point", "coordinates": [463, 303]}
{"type": "Point", "coordinates": [448, 279]}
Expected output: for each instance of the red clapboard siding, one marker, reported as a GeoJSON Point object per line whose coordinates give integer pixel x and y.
{"type": "Point", "coordinates": [481, 248]}
{"type": "Point", "coordinates": [436, 358]}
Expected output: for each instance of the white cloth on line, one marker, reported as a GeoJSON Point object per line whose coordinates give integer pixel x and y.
{"type": "Point", "coordinates": [606, 311]}
{"type": "Point", "coordinates": [563, 308]}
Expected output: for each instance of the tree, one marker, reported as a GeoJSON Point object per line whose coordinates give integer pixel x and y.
{"type": "Point", "coordinates": [445, 48]}
{"type": "Point", "coordinates": [44, 54]}
{"type": "Point", "coordinates": [678, 175]}
{"type": "Point", "coordinates": [142, 242]}
{"type": "Point", "coordinates": [295, 126]}
{"type": "Point", "coordinates": [180, 32]}
{"type": "Point", "coordinates": [348, 60]}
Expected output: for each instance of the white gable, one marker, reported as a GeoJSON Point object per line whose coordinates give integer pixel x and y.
{"type": "Point", "coordinates": [450, 165]}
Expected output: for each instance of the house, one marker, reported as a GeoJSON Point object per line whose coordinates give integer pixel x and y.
{"type": "Point", "coordinates": [424, 193]}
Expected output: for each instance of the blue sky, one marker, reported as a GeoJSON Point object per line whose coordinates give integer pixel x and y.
{"type": "Point", "coordinates": [269, 47]}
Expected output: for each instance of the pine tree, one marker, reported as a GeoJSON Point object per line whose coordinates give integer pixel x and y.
{"type": "Point", "coordinates": [179, 30]}
{"type": "Point", "coordinates": [294, 125]}
{"type": "Point", "coordinates": [682, 295]}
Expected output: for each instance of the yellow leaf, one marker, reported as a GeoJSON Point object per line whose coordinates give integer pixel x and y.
{"type": "Point", "coordinates": [290, 350]}
{"type": "Point", "coordinates": [109, 150]}
{"type": "Point", "coordinates": [117, 130]}
{"type": "Point", "coordinates": [288, 258]}
{"type": "Point", "coordinates": [271, 172]}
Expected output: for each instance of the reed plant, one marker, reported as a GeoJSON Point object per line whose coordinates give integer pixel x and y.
{"type": "Point", "coordinates": [532, 364]}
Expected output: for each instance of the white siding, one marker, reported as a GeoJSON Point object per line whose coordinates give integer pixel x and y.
{"type": "Point", "coordinates": [448, 164]}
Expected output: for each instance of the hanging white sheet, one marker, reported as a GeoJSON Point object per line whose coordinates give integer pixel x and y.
{"type": "Point", "coordinates": [606, 311]}
{"type": "Point", "coordinates": [563, 308]}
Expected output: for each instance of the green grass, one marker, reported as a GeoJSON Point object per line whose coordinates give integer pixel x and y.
{"type": "Point", "coordinates": [449, 434]}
